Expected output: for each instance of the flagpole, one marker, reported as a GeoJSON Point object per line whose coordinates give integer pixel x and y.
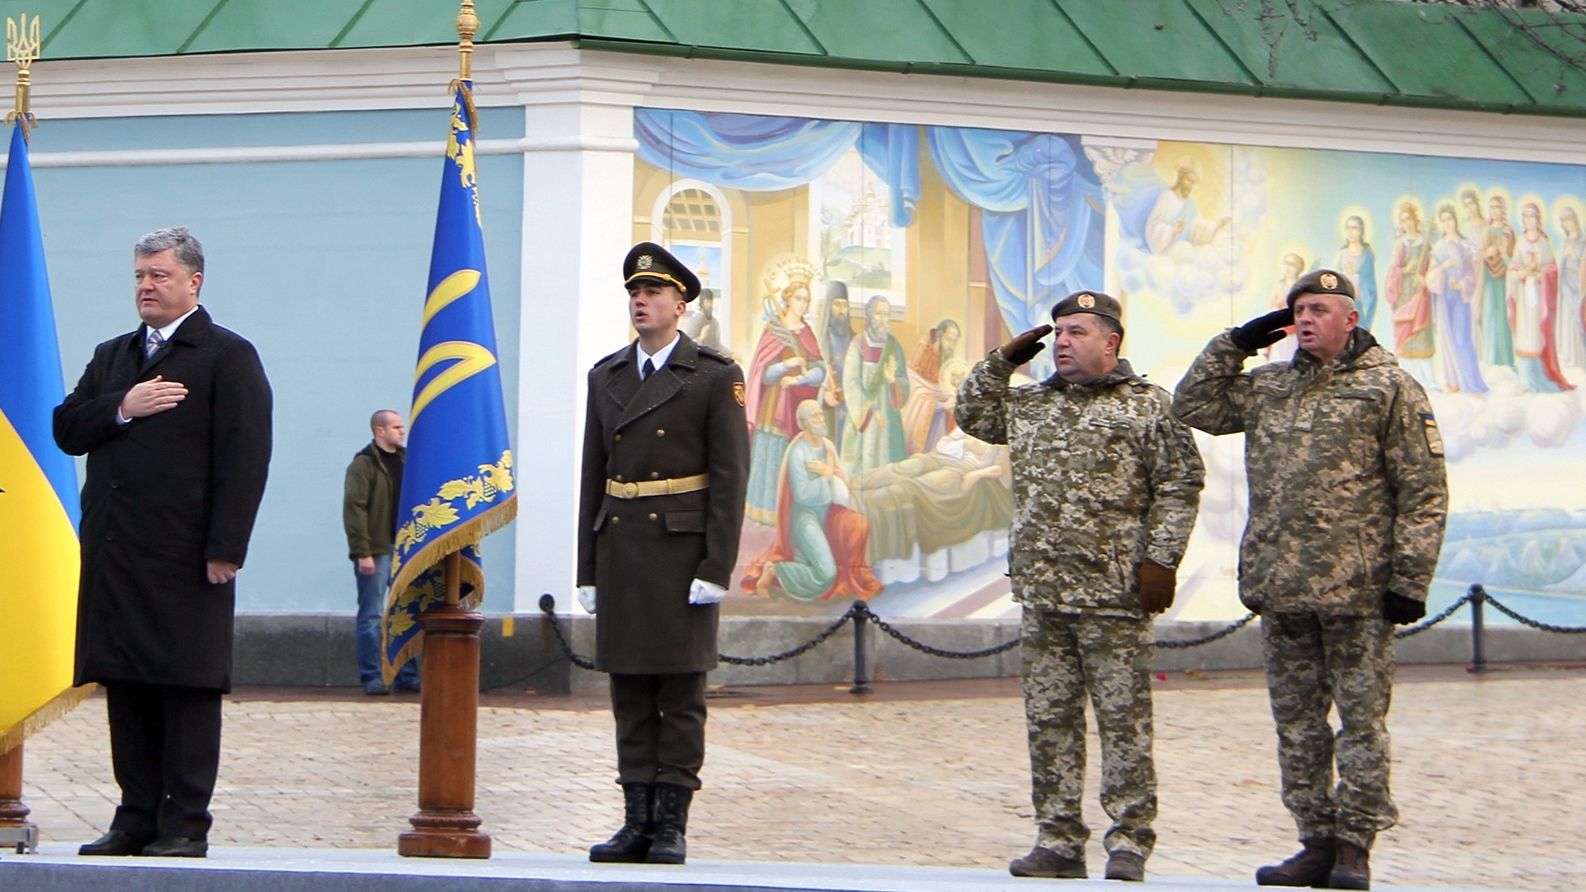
{"type": "Point", "coordinates": [445, 825]}
{"type": "Point", "coordinates": [22, 47]}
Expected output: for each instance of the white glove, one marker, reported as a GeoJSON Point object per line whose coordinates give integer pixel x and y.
{"type": "Point", "coordinates": [586, 598]}
{"type": "Point", "coordinates": [702, 593]}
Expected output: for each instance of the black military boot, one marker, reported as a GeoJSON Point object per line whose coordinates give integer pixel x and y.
{"type": "Point", "coordinates": [1310, 867]}
{"type": "Point", "coordinates": [671, 824]}
{"type": "Point", "coordinates": [631, 842]}
{"type": "Point", "coordinates": [1352, 870]}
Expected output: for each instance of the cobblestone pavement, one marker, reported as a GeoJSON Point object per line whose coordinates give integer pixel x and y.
{"type": "Point", "coordinates": [1488, 776]}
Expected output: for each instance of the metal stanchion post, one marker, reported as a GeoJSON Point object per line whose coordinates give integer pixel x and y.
{"type": "Point", "coordinates": [861, 656]}
{"type": "Point", "coordinates": [1478, 653]}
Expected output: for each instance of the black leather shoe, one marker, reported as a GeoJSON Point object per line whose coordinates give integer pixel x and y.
{"type": "Point", "coordinates": [177, 847]}
{"type": "Point", "coordinates": [116, 842]}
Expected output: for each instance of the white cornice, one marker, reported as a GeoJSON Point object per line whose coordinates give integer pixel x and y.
{"type": "Point", "coordinates": [526, 75]}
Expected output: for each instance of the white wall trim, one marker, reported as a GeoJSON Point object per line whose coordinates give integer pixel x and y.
{"type": "Point", "coordinates": [328, 152]}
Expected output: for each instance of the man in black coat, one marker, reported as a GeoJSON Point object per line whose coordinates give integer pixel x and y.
{"type": "Point", "coordinates": [665, 469]}
{"type": "Point", "coordinates": [175, 420]}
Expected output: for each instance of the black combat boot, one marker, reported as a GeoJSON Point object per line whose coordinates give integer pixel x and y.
{"type": "Point", "coordinates": [671, 824]}
{"type": "Point", "coordinates": [1352, 870]}
{"type": "Point", "coordinates": [1310, 867]}
{"type": "Point", "coordinates": [1043, 862]}
{"type": "Point", "coordinates": [631, 842]}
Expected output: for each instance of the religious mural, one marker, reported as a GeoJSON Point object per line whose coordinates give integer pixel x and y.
{"type": "Point", "coordinates": [857, 270]}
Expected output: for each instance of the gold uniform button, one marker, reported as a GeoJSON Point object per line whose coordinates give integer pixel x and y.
{"type": "Point", "coordinates": [616, 519]}
{"type": "Point", "coordinates": [618, 478]}
{"type": "Point", "coordinates": [655, 475]}
{"type": "Point", "coordinates": [660, 432]}
{"type": "Point", "coordinates": [653, 515]}
{"type": "Point", "coordinates": [617, 437]}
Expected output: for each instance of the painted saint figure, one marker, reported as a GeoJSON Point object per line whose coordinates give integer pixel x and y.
{"type": "Point", "coordinates": [928, 413]}
{"type": "Point", "coordinates": [876, 387]}
{"type": "Point", "coordinates": [1174, 215]}
{"type": "Point", "coordinates": [787, 368]}
{"type": "Point", "coordinates": [836, 333]}
{"type": "Point", "coordinates": [1571, 320]}
{"type": "Point", "coordinates": [1357, 261]}
{"type": "Point", "coordinates": [1533, 302]}
{"type": "Point", "coordinates": [1451, 280]}
{"type": "Point", "coordinates": [819, 552]}
{"type": "Point", "coordinates": [1496, 247]}
{"type": "Point", "coordinates": [1408, 296]}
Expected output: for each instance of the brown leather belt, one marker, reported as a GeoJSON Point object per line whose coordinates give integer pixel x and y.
{"type": "Point", "coordinates": [672, 486]}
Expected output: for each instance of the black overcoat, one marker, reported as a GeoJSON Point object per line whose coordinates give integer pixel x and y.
{"type": "Point", "coordinates": [163, 495]}
{"type": "Point", "coordinates": [642, 554]}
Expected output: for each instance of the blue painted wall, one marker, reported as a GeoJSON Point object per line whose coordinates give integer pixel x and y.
{"type": "Point", "coordinates": [322, 265]}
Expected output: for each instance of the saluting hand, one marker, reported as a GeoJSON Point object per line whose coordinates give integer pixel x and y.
{"type": "Point", "coordinates": [1023, 348]}
{"type": "Point", "coordinates": [152, 397]}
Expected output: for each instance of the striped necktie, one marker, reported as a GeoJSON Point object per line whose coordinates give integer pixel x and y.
{"type": "Point", "coordinates": [153, 345]}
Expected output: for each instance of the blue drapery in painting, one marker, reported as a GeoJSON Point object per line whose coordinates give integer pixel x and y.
{"type": "Point", "coordinates": [1042, 213]}
{"type": "Point", "coordinates": [767, 154]}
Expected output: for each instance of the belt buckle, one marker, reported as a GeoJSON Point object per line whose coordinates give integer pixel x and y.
{"type": "Point", "coordinates": [630, 490]}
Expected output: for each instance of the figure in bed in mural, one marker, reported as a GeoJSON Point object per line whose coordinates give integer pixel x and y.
{"type": "Point", "coordinates": [1533, 304]}
{"type": "Point", "coordinates": [928, 414]}
{"type": "Point", "coordinates": [1293, 266]}
{"type": "Point", "coordinates": [1408, 296]}
{"type": "Point", "coordinates": [1356, 260]}
{"type": "Point", "coordinates": [1451, 281]}
{"type": "Point", "coordinates": [1571, 320]}
{"type": "Point", "coordinates": [1495, 340]}
{"type": "Point", "coordinates": [875, 387]}
{"type": "Point", "coordinates": [819, 552]}
{"type": "Point", "coordinates": [928, 502]}
{"type": "Point", "coordinates": [786, 369]}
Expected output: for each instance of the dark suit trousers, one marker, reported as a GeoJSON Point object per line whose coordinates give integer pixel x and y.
{"type": "Point", "coordinates": [165, 748]}
{"type": "Point", "coordinates": [660, 727]}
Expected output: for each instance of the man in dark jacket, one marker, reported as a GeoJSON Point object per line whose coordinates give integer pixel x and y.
{"type": "Point", "coordinates": [665, 470]}
{"type": "Point", "coordinates": [175, 420]}
{"type": "Point", "coordinates": [368, 513]}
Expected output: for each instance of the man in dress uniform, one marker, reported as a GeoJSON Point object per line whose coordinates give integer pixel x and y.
{"type": "Point", "coordinates": [1348, 496]}
{"type": "Point", "coordinates": [174, 417]}
{"type": "Point", "coordinates": [661, 500]}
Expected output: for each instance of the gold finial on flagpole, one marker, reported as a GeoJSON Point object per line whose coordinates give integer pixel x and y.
{"type": "Point", "coordinates": [467, 27]}
{"type": "Point", "coordinates": [22, 47]}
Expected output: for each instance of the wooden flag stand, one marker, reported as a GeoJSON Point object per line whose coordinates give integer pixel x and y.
{"type": "Point", "coordinates": [15, 828]}
{"type": "Point", "coordinates": [445, 825]}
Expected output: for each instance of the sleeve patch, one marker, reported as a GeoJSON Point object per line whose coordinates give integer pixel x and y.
{"type": "Point", "coordinates": [1434, 439]}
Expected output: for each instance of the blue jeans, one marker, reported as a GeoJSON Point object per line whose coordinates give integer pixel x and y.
{"type": "Point", "coordinates": [371, 606]}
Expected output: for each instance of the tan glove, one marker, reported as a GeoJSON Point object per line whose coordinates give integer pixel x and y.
{"type": "Point", "coordinates": [1157, 584]}
{"type": "Point", "coordinates": [1024, 348]}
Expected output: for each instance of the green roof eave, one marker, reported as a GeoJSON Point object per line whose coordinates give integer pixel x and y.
{"type": "Point", "coordinates": [1377, 52]}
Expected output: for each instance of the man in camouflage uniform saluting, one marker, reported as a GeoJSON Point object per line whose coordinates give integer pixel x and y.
{"type": "Point", "coordinates": [1105, 486]}
{"type": "Point", "coordinates": [1347, 501]}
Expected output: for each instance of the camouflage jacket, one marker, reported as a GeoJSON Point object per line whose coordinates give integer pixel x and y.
{"type": "Point", "coordinates": [1347, 487]}
{"type": "Point", "coordinates": [1103, 477]}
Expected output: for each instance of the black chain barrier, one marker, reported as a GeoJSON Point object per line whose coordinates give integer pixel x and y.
{"type": "Point", "coordinates": [860, 613]}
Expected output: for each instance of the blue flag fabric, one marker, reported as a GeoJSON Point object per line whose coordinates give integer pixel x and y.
{"type": "Point", "coordinates": [457, 484]}
{"type": "Point", "coordinates": [39, 507]}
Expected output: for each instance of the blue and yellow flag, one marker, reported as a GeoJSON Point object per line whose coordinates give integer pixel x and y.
{"type": "Point", "coordinates": [457, 484]}
{"type": "Point", "coordinates": [38, 482]}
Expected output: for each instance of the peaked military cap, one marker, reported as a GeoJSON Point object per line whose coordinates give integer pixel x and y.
{"type": "Point", "coordinates": [1322, 281]}
{"type": "Point", "coordinates": [1089, 302]}
{"type": "Point", "coordinates": [648, 260]}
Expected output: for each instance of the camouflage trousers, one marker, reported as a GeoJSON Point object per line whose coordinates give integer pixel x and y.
{"type": "Point", "coordinates": [1313, 663]}
{"type": "Point", "coordinates": [1068, 658]}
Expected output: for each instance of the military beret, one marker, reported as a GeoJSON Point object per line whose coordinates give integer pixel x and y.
{"type": "Point", "coordinates": [1322, 281]}
{"type": "Point", "coordinates": [1089, 302]}
{"type": "Point", "coordinates": [648, 260]}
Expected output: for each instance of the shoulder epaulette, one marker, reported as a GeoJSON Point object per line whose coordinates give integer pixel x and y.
{"type": "Point", "coordinates": [610, 356]}
{"type": "Point", "coordinates": [715, 354]}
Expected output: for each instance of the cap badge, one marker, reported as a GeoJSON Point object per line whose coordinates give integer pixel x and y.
{"type": "Point", "coordinates": [1329, 281]}
{"type": "Point", "coordinates": [645, 261]}
{"type": "Point", "coordinates": [1087, 301]}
